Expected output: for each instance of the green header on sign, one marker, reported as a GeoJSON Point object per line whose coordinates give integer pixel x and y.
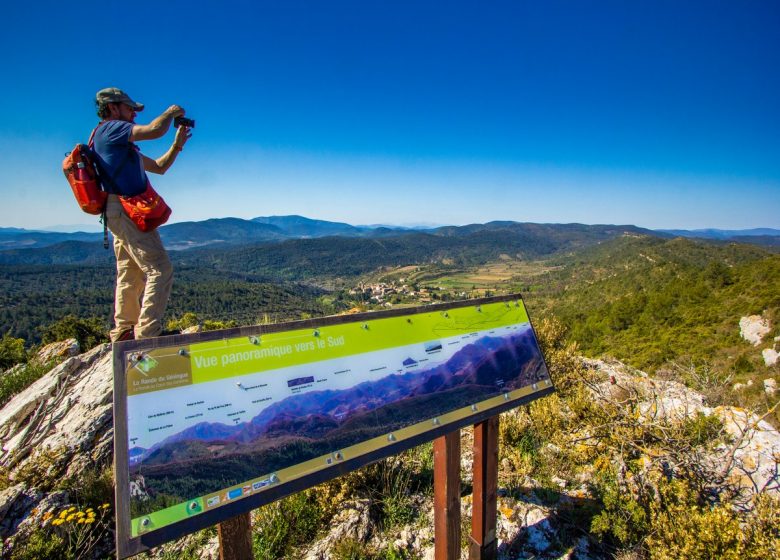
{"type": "Point", "coordinates": [231, 357]}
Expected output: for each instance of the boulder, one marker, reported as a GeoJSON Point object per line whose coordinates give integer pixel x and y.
{"type": "Point", "coordinates": [55, 350]}
{"type": "Point", "coordinates": [753, 328]}
{"type": "Point", "coordinates": [770, 356]}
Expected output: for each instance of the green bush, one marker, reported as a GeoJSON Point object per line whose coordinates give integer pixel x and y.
{"type": "Point", "coordinates": [350, 549]}
{"type": "Point", "coordinates": [92, 487]}
{"type": "Point", "coordinates": [281, 526]}
{"type": "Point", "coordinates": [190, 319]}
{"type": "Point", "coordinates": [40, 545]}
{"type": "Point", "coordinates": [19, 378]}
{"type": "Point", "coordinates": [12, 351]}
{"type": "Point", "coordinates": [87, 332]}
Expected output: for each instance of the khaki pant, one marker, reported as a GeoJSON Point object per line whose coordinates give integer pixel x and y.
{"type": "Point", "coordinates": [144, 275]}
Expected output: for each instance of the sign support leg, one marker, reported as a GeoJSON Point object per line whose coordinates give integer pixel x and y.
{"type": "Point", "coordinates": [446, 496]}
{"type": "Point", "coordinates": [235, 538]}
{"type": "Point", "coordinates": [483, 543]}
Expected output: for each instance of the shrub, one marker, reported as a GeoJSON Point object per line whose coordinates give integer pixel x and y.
{"type": "Point", "coordinates": [40, 471]}
{"type": "Point", "coordinates": [40, 545]}
{"type": "Point", "coordinates": [91, 487]}
{"type": "Point", "coordinates": [88, 332]}
{"type": "Point", "coordinates": [283, 525]}
{"type": "Point", "coordinates": [12, 351]}
{"type": "Point", "coordinates": [190, 319]}
{"type": "Point", "coordinates": [683, 528]}
{"type": "Point", "coordinates": [18, 378]}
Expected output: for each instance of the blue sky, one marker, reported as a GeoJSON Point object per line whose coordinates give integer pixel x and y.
{"type": "Point", "coordinates": [659, 114]}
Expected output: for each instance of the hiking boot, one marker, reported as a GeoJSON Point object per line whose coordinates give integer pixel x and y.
{"type": "Point", "coordinates": [125, 335]}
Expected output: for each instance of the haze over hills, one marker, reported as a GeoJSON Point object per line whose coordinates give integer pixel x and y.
{"type": "Point", "coordinates": [301, 244]}
{"type": "Point", "coordinates": [237, 231]}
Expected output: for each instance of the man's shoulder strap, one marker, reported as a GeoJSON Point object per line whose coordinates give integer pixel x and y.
{"type": "Point", "coordinates": [91, 141]}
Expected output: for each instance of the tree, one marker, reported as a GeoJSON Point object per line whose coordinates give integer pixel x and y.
{"type": "Point", "coordinates": [87, 332]}
{"type": "Point", "coordinates": [12, 351]}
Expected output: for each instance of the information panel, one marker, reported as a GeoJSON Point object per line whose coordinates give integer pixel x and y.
{"type": "Point", "coordinates": [210, 425]}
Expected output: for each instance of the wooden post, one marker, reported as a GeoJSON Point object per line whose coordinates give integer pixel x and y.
{"type": "Point", "coordinates": [483, 544]}
{"type": "Point", "coordinates": [446, 496]}
{"type": "Point", "coordinates": [235, 538]}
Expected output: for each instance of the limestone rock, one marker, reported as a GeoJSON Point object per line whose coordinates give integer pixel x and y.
{"type": "Point", "coordinates": [64, 349]}
{"type": "Point", "coordinates": [68, 409]}
{"type": "Point", "coordinates": [67, 414]}
{"type": "Point", "coordinates": [770, 356]}
{"type": "Point", "coordinates": [352, 521]}
{"type": "Point", "coordinates": [15, 503]}
{"type": "Point", "coordinates": [753, 328]}
{"type": "Point", "coordinates": [751, 464]}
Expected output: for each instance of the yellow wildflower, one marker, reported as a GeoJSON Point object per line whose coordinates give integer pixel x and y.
{"type": "Point", "coordinates": [71, 517]}
{"type": "Point", "coordinates": [57, 522]}
{"type": "Point", "coordinates": [89, 520]}
{"type": "Point", "coordinates": [81, 520]}
{"type": "Point", "coordinates": [63, 515]}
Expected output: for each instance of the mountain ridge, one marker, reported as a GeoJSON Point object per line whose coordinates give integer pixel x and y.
{"type": "Point", "coordinates": [240, 231]}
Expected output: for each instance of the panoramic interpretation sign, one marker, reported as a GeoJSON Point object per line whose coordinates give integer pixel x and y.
{"type": "Point", "coordinates": [211, 425]}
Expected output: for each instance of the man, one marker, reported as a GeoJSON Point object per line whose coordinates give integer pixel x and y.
{"type": "Point", "coordinates": [144, 275]}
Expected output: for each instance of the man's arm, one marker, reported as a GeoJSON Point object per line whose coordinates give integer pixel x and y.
{"type": "Point", "coordinates": [158, 127]}
{"type": "Point", "coordinates": [162, 163]}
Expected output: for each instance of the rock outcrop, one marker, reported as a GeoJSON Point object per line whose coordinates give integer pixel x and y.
{"type": "Point", "coordinates": [750, 462]}
{"type": "Point", "coordinates": [754, 328]}
{"type": "Point", "coordinates": [66, 416]}
{"type": "Point", "coordinates": [68, 410]}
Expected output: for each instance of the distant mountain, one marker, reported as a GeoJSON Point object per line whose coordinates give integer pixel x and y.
{"type": "Point", "coordinates": [239, 232]}
{"type": "Point", "coordinates": [766, 237]}
{"type": "Point", "coordinates": [721, 233]}
{"type": "Point", "coordinates": [219, 231]}
{"type": "Point", "coordinates": [555, 237]}
{"type": "Point", "coordinates": [16, 238]}
{"type": "Point", "coordinates": [61, 253]}
{"type": "Point", "coordinates": [298, 247]}
{"type": "Point", "coordinates": [300, 226]}
{"type": "Point", "coordinates": [86, 228]}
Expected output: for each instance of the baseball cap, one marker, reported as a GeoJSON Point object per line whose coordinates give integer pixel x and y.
{"type": "Point", "coordinates": [116, 95]}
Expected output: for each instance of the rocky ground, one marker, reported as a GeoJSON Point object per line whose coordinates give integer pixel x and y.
{"type": "Point", "coordinates": [68, 415]}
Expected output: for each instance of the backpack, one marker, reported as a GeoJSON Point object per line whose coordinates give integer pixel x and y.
{"type": "Point", "coordinates": [81, 173]}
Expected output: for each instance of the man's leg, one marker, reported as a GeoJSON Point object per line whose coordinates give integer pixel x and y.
{"type": "Point", "coordinates": [147, 252]}
{"type": "Point", "coordinates": [129, 288]}
{"type": "Point", "coordinates": [129, 276]}
{"type": "Point", "coordinates": [159, 281]}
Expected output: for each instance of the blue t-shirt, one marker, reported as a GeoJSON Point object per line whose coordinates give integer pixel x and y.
{"type": "Point", "coordinates": [119, 158]}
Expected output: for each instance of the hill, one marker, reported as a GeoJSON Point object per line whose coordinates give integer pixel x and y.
{"type": "Point", "coordinates": [651, 301]}
{"type": "Point", "coordinates": [300, 226]}
{"type": "Point", "coordinates": [236, 244]}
